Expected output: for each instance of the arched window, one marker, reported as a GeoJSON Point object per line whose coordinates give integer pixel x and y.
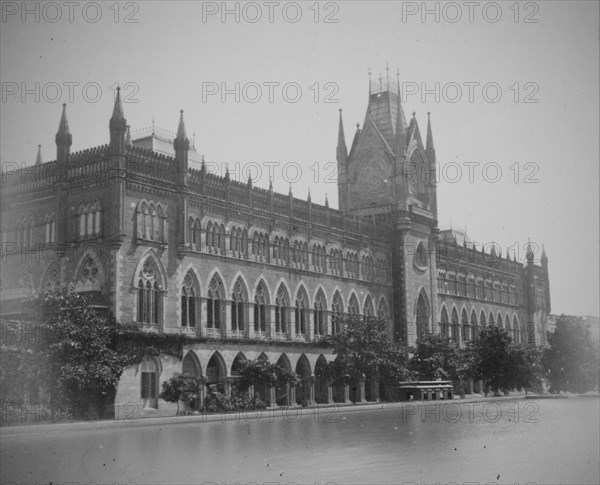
{"type": "Point", "coordinates": [149, 372]}
{"type": "Point", "coordinates": [260, 309]}
{"type": "Point", "coordinates": [209, 236]}
{"type": "Point", "coordinates": [474, 326]}
{"type": "Point", "coordinates": [96, 214]}
{"type": "Point", "coordinates": [444, 324]}
{"type": "Point", "coordinates": [319, 316]}
{"type": "Point", "coordinates": [516, 330]}
{"type": "Point", "coordinates": [482, 320]}
{"type": "Point", "coordinates": [353, 305]}
{"type": "Point", "coordinates": [382, 309]}
{"type": "Point", "coordinates": [281, 305]}
{"type": "Point", "coordinates": [466, 331]}
{"type": "Point", "coordinates": [336, 314]}
{"type": "Point", "coordinates": [88, 276]}
{"type": "Point", "coordinates": [149, 294]}
{"type": "Point", "coordinates": [276, 249]}
{"type": "Point", "coordinates": [422, 322]}
{"type": "Point", "coordinates": [238, 299]}
{"type": "Point", "coordinates": [81, 216]}
{"type": "Point", "coordinates": [244, 248]}
{"type": "Point", "coordinates": [300, 313]}
{"type": "Point", "coordinates": [189, 301]}
{"type": "Point", "coordinates": [368, 310]}
{"type": "Point", "coordinates": [214, 304]}
{"type": "Point", "coordinates": [455, 328]}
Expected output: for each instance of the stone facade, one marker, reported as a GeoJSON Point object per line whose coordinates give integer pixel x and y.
{"type": "Point", "coordinates": [175, 249]}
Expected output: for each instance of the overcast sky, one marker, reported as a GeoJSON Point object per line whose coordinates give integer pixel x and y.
{"type": "Point", "coordinates": [516, 88]}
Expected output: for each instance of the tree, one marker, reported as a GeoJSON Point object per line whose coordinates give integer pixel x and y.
{"type": "Point", "coordinates": [182, 388]}
{"type": "Point", "coordinates": [435, 357]}
{"type": "Point", "coordinates": [570, 362]}
{"type": "Point", "coordinates": [492, 359]}
{"type": "Point", "coordinates": [526, 371]}
{"type": "Point", "coordinates": [364, 348]}
{"type": "Point", "coordinates": [74, 346]}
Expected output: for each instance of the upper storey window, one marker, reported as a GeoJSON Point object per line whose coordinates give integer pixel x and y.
{"type": "Point", "coordinates": [89, 218]}
{"type": "Point", "coordinates": [151, 222]}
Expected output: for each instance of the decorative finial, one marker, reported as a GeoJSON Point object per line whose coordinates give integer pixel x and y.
{"type": "Point", "coordinates": [152, 124]}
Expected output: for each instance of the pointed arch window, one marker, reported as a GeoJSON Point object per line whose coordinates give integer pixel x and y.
{"type": "Point", "coordinates": [382, 309]}
{"type": "Point", "coordinates": [466, 331]}
{"type": "Point", "coordinates": [353, 305]}
{"type": "Point", "coordinates": [238, 306]}
{"type": "Point", "coordinates": [300, 313]}
{"type": "Point", "coordinates": [281, 305]}
{"type": "Point", "coordinates": [189, 301]}
{"type": "Point", "coordinates": [474, 325]}
{"type": "Point", "coordinates": [368, 308]}
{"type": "Point", "coordinates": [336, 314]}
{"type": "Point", "coordinates": [260, 309]}
{"type": "Point", "coordinates": [149, 294]}
{"type": "Point", "coordinates": [319, 314]}
{"type": "Point", "coordinates": [52, 279]}
{"type": "Point", "coordinates": [444, 324]}
{"type": "Point", "coordinates": [420, 258]}
{"type": "Point", "coordinates": [422, 322]}
{"type": "Point", "coordinates": [214, 304]}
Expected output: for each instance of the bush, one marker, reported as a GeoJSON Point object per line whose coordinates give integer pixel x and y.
{"type": "Point", "coordinates": [182, 388]}
{"type": "Point", "coordinates": [217, 402]}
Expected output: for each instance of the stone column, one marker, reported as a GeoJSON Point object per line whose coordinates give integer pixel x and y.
{"type": "Point", "coordinates": [287, 395]}
{"type": "Point", "coordinates": [272, 397]}
{"type": "Point", "coordinates": [310, 382]}
{"type": "Point", "coordinates": [292, 395]}
{"type": "Point", "coordinates": [227, 316]}
{"type": "Point", "coordinates": [360, 389]}
{"type": "Point", "coordinates": [347, 394]}
{"type": "Point", "coordinates": [329, 393]}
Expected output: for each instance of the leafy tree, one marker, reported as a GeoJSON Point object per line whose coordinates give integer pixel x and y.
{"type": "Point", "coordinates": [435, 357]}
{"type": "Point", "coordinates": [493, 360]}
{"type": "Point", "coordinates": [570, 362]}
{"type": "Point", "coordinates": [74, 346]}
{"type": "Point", "coordinates": [525, 368]}
{"type": "Point", "coordinates": [182, 388]}
{"type": "Point", "coordinates": [260, 372]}
{"type": "Point", "coordinates": [364, 347]}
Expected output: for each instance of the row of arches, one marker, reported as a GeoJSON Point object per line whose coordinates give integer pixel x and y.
{"type": "Point", "coordinates": [215, 238]}
{"type": "Point", "coordinates": [472, 286]}
{"type": "Point", "coordinates": [89, 219]}
{"type": "Point", "coordinates": [244, 310]}
{"type": "Point", "coordinates": [151, 221]}
{"type": "Point", "coordinates": [221, 370]}
{"type": "Point", "coordinates": [467, 327]}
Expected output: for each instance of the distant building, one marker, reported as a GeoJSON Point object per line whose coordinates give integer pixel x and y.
{"type": "Point", "coordinates": [250, 273]}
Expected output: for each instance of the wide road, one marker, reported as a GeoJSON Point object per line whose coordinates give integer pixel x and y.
{"type": "Point", "coordinates": [545, 441]}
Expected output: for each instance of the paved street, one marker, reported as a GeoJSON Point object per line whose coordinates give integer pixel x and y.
{"type": "Point", "coordinates": [546, 441]}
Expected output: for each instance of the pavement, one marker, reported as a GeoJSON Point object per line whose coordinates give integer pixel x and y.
{"type": "Point", "coordinates": [322, 410]}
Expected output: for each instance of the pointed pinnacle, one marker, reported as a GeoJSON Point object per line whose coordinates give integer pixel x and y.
{"type": "Point", "coordinates": [118, 108]}
{"type": "Point", "coordinates": [181, 134]}
{"type": "Point", "coordinates": [63, 127]}
{"type": "Point", "coordinates": [38, 159]}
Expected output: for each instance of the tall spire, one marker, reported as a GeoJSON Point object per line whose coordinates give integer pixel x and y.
{"type": "Point", "coordinates": [182, 145]}
{"type": "Point", "coordinates": [544, 258]}
{"type": "Point", "coordinates": [181, 134]}
{"type": "Point", "coordinates": [118, 108]}
{"type": "Point", "coordinates": [118, 127]}
{"type": "Point", "coordinates": [63, 138]}
{"type": "Point", "coordinates": [38, 159]}
{"type": "Point", "coordinates": [342, 150]}
{"type": "Point", "coordinates": [429, 145]}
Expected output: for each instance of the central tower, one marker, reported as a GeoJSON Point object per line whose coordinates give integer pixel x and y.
{"type": "Point", "coordinates": [390, 174]}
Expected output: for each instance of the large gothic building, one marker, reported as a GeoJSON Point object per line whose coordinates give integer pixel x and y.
{"type": "Point", "coordinates": [142, 227]}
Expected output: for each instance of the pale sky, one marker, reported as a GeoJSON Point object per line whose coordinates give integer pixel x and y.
{"type": "Point", "coordinates": [537, 118]}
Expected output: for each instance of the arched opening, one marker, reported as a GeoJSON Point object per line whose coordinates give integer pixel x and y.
{"type": "Point", "coordinates": [321, 385]}
{"type": "Point", "coordinates": [214, 305]}
{"type": "Point", "coordinates": [216, 373]}
{"type": "Point", "coordinates": [261, 307]}
{"type": "Point", "coordinates": [301, 313]}
{"type": "Point", "coordinates": [304, 383]}
{"type": "Point", "coordinates": [282, 302]}
{"type": "Point", "coordinates": [444, 324]}
{"type": "Point", "coordinates": [368, 310]}
{"type": "Point", "coordinates": [337, 309]}
{"type": "Point", "coordinates": [422, 320]}
{"type": "Point", "coordinates": [282, 392]}
{"type": "Point", "coordinates": [474, 325]}
{"type": "Point", "coordinates": [353, 305]}
{"type": "Point", "coordinates": [191, 366]}
{"type": "Point", "coordinates": [319, 320]}
{"type": "Point", "coordinates": [190, 292]}
{"type": "Point", "coordinates": [149, 375]}
{"type": "Point", "coordinates": [466, 331]}
{"type": "Point", "coordinates": [455, 330]}
{"type": "Point", "coordinates": [239, 297]}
